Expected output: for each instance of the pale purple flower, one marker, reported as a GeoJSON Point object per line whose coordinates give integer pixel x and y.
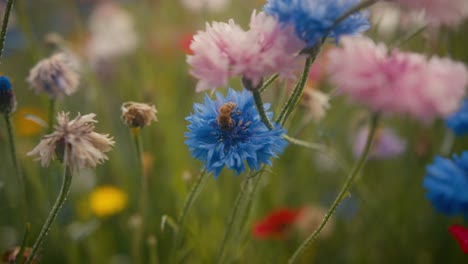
{"type": "Point", "coordinates": [225, 50]}
{"type": "Point", "coordinates": [397, 82]}
{"type": "Point", "coordinates": [386, 143]}
{"type": "Point", "coordinates": [439, 12]}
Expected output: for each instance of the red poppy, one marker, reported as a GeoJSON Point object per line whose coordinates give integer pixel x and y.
{"type": "Point", "coordinates": [275, 224]}
{"type": "Point", "coordinates": [185, 42]}
{"type": "Point", "coordinates": [461, 235]}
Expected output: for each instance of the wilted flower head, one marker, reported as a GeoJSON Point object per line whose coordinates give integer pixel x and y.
{"type": "Point", "coordinates": [397, 82]}
{"type": "Point", "coordinates": [446, 183]}
{"type": "Point", "coordinates": [309, 218]}
{"type": "Point", "coordinates": [316, 103]}
{"type": "Point", "coordinates": [107, 200]}
{"type": "Point", "coordinates": [7, 97]}
{"type": "Point", "coordinates": [386, 144]}
{"type": "Point", "coordinates": [11, 255]}
{"type": "Point", "coordinates": [225, 50]}
{"type": "Point", "coordinates": [54, 76]}
{"type": "Point", "coordinates": [313, 18]}
{"type": "Point", "coordinates": [112, 33]}
{"type": "Point", "coordinates": [85, 148]}
{"type": "Point", "coordinates": [439, 12]}
{"type": "Point", "coordinates": [138, 114]}
{"type": "Point", "coordinates": [227, 131]}
{"type": "Point", "coordinates": [458, 121]}
{"type": "Point", "coordinates": [460, 234]}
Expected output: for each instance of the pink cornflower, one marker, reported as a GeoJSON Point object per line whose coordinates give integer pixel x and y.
{"type": "Point", "coordinates": [397, 82]}
{"type": "Point", "coordinates": [225, 50]}
{"type": "Point", "coordinates": [439, 12]}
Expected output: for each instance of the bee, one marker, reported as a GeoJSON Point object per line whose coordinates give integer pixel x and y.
{"type": "Point", "coordinates": [224, 118]}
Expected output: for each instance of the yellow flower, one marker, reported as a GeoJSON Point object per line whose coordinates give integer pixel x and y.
{"type": "Point", "coordinates": [107, 200]}
{"type": "Point", "coordinates": [29, 121]}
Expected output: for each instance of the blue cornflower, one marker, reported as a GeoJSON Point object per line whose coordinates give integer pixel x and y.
{"type": "Point", "coordinates": [446, 182]}
{"type": "Point", "coordinates": [228, 131]}
{"type": "Point", "coordinates": [5, 84]}
{"type": "Point", "coordinates": [458, 121]}
{"type": "Point", "coordinates": [313, 18]}
{"type": "Point", "coordinates": [7, 97]}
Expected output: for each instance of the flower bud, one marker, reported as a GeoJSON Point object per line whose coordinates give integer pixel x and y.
{"type": "Point", "coordinates": [7, 97]}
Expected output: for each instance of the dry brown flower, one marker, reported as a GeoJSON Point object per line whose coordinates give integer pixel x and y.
{"type": "Point", "coordinates": [54, 76]}
{"type": "Point", "coordinates": [138, 114]}
{"type": "Point", "coordinates": [85, 147]}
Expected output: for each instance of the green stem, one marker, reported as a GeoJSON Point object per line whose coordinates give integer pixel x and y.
{"type": "Point", "coordinates": [261, 109]}
{"type": "Point", "coordinates": [64, 189]}
{"type": "Point", "coordinates": [296, 93]}
{"type": "Point", "coordinates": [268, 83]}
{"type": "Point", "coordinates": [11, 139]}
{"type": "Point", "coordinates": [342, 194]}
{"type": "Point", "coordinates": [408, 37]}
{"type": "Point", "coordinates": [141, 229]}
{"type": "Point", "coordinates": [192, 196]}
{"type": "Point", "coordinates": [6, 17]}
{"type": "Point", "coordinates": [243, 201]}
{"type": "Point", "coordinates": [51, 115]}
{"type": "Point", "coordinates": [20, 256]}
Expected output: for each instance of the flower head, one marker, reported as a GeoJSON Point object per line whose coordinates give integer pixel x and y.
{"type": "Point", "coordinates": [398, 82]}
{"type": "Point", "coordinates": [7, 97]}
{"type": "Point", "coordinates": [227, 131]}
{"type": "Point", "coordinates": [446, 183]}
{"type": "Point", "coordinates": [112, 31]}
{"type": "Point", "coordinates": [386, 143]}
{"type": "Point", "coordinates": [316, 102]}
{"type": "Point", "coordinates": [439, 12]}
{"type": "Point", "coordinates": [107, 200]}
{"type": "Point", "coordinates": [312, 19]}
{"type": "Point", "coordinates": [461, 235]}
{"type": "Point", "coordinates": [225, 50]}
{"type": "Point", "coordinates": [54, 76]}
{"type": "Point", "coordinates": [458, 121]}
{"type": "Point", "coordinates": [138, 114]}
{"type": "Point", "coordinates": [85, 148]}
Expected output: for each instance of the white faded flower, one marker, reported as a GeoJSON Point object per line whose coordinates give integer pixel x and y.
{"type": "Point", "coordinates": [310, 218]}
{"type": "Point", "coordinates": [208, 5]}
{"type": "Point", "coordinates": [138, 114]}
{"type": "Point", "coordinates": [112, 33]}
{"type": "Point", "coordinates": [85, 148]}
{"type": "Point", "coordinates": [316, 103]}
{"type": "Point", "coordinates": [54, 76]}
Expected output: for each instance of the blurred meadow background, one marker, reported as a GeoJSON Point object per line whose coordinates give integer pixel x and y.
{"type": "Point", "coordinates": [135, 50]}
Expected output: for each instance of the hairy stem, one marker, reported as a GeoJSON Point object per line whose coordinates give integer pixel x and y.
{"type": "Point", "coordinates": [64, 189]}
{"type": "Point", "coordinates": [341, 195]}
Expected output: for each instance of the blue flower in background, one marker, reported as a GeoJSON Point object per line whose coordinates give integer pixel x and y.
{"type": "Point", "coordinates": [458, 121]}
{"type": "Point", "coordinates": [446, 182]}
{"type": "Point", "coordinates": [313, 18]}
{"type": "Point", "coordinates": [5, 84]}
{"type": "Point", "coordinates": [228, 131]}
{"type": "Point", "coordinates": [7, 97]}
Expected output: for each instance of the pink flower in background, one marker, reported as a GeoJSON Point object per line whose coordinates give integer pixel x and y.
{"type": "Point", "coordinates": [439, 12]}
{"type": "Point", "coordinates": [397, 82]}
{"type": "Point", "coordinates": [225, 50]}
{"type": "Point", "coordinates": [387, 143]}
